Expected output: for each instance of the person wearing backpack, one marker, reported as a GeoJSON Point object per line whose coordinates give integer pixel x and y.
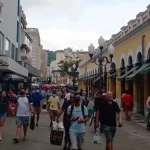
{"type": "Point", "coordinates": [66, 121]}
{"type": "Point", "coordinates": [78, 115]}
{"type": "Point", "coordinates": [24, 106]}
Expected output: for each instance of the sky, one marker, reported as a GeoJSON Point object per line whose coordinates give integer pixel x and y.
{"type": "Point", "coordinates": [78, 23]}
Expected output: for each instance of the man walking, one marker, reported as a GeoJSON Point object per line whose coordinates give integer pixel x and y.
{"type": "Point", "coordinates": [37, 98]}
{"type": "Point", "coordinates": [106, 115]}
{"type": "Point", "coordinates": [128, 105]}
{"type": "Point", "coordinates": [53, 107]}
{"type": "Point", "coordinates": [24, 106]}
{"type": "Point", "coordinates": [78, 115]}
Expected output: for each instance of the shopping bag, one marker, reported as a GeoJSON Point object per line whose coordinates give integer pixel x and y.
{"type": "Point", "coordinates": [97, 139]}
{"type": "Point", "coordinates": [32, 122]}
{"type": "Point", "coordinates": [57, 131]}
{"type": "Point", "coordinates": [90, 111]}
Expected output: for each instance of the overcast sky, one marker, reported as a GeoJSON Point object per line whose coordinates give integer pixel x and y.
{"type": "Point", "coordinates": [78, 23]}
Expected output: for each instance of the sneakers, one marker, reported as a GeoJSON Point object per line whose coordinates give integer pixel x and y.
{"type": "Point", "coordinates": [16, 140]}
{"type": "Point", "coordinates": [65, 148]}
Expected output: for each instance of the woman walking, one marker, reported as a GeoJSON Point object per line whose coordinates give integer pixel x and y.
{"type": "Point", "coordinates": [4, 105]}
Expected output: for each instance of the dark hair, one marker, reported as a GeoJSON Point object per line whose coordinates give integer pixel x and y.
{"type": "Point", "coordinates": [54, 92]}
{"type": "Point", "coordinates": [76, 93]}
{"type": "Point", "coordinates": [2, 92]}
{"type": "Point", "coordinates": [126, 91]}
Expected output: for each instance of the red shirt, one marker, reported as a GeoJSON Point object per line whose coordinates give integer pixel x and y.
{"type": "Point", "coordinates": [127, 98]}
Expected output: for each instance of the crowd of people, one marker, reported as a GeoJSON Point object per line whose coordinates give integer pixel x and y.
{"type": "Point", "coordinates": [74, 111]}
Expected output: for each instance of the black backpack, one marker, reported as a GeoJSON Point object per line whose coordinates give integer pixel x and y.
{"type": "Point", "coordinates": [28, 97]}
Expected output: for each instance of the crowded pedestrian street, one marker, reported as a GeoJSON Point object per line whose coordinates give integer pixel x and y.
{"type": "Point", "coordinates": [74, 75]}
{"type": "Point", "coordinates": [130, 137]}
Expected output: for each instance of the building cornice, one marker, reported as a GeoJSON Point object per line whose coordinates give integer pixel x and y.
{"type": "Point", "coordinates": [145, 26]}
{"type": "Point", "coordinates": [134, 27]}
{"type": "Point", "coordinates": [94, 57]}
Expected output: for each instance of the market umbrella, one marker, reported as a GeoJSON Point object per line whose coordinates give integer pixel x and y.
{"type": "Point", "coordinates": [46, 86]}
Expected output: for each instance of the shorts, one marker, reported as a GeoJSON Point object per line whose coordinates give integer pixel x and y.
{"type": "Point", "coordinates": [37, 109]}
{"type": "Point", "coordinates": [22, 120]}
{"type": "Point", "coordinates": [53, 113]}
{"type": "Point", "coordinates": [3, 116]}
{"type": "Point", "coordinates": [77, 140]}
{"type": "Point", "coordinates": [109, 132]}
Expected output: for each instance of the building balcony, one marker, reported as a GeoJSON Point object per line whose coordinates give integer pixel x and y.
{"type": "Point", "coordinates": [24, 53]}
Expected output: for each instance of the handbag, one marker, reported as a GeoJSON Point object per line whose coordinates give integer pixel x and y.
{"type": "Point", "coordinates": [97, 139]}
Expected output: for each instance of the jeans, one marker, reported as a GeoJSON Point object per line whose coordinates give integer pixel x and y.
{"type": "Point", "coordinates": [77, 140]}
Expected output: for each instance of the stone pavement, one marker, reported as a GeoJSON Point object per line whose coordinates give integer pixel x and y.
{"type": "Point", "coordinates": [130, 137]}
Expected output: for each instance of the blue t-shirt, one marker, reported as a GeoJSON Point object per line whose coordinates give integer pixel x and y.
{"type": "Point", "coordinates": [37, 98]}
{"type": "Point", "coordinates": [77, 112]}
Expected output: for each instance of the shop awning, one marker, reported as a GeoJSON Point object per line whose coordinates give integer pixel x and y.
{"type": "Point", "coordinates": [127, 73]}
{"type": "Point", "coordinates": [145, 70]}
{"type": "Point", "coordinates": [14, 66]}
{"type": "Point", "coordinates": [98, 78]}
{"type": "Point", "coordinates": [89, 78]}
{"type": "Point", "coordinates": [13, 77]}
{"type": "Point", "coordinates": [33, 71]}
{"type": "Point", "coordinates": [113, 75]}
{"type": "Point", "coordinates": [130, 77]}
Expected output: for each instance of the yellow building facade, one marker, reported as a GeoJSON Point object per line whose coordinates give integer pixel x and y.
{"type": "Point", "coordinates": [130, 65]}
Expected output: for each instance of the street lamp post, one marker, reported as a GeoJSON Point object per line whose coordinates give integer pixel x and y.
{"type": "Point", "coordinates": [101, 58]}
{"type": "Point", "coordinates": [74, 72]}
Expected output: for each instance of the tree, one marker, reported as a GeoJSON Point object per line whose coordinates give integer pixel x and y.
{"type": "Point", "coordinates": [64, 66]}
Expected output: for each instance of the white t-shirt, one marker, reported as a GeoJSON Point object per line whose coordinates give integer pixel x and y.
{"type": "Point", "coordinates": [68, 96]}
{"type": "Point", "coordinates": [23, 109]}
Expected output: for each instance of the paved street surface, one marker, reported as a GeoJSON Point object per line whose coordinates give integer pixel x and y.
{"type": "Point", "coordinates": [130, 137]}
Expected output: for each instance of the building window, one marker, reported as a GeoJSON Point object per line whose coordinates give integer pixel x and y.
{"type": "Point", "coordinates": [17, 37]}
{"type": "Point", "coordinates": [1, 42]}
{"type": "Point", "coordinates": [16, 54]}
{"type": "Point", "coordinates": [18, 12]}
{"type": "Point", "coordinates": [7, 47]}
{"type": "Point", "coordinates": [1, 6]}
{"type": "Point", "coordinates": [13, 52]}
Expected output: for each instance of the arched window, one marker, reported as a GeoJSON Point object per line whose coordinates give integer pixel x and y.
{"type": "Point", "coordinates": [130, 62]}
{"type": "Point", "coordinates": [122, 63]}
{"type": "Point", "coordinates": [148, 54]}
{"type": "Point", "coordinates": [139, 57]}
{"type": "Point", "coordinates": [113, 67]}
{"type": "Point", "coordinates": [98, 69]}
{"type": "Point", "coordinates": [95, 71]}
{"type": "Point", "coordinates": [91, 73]}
